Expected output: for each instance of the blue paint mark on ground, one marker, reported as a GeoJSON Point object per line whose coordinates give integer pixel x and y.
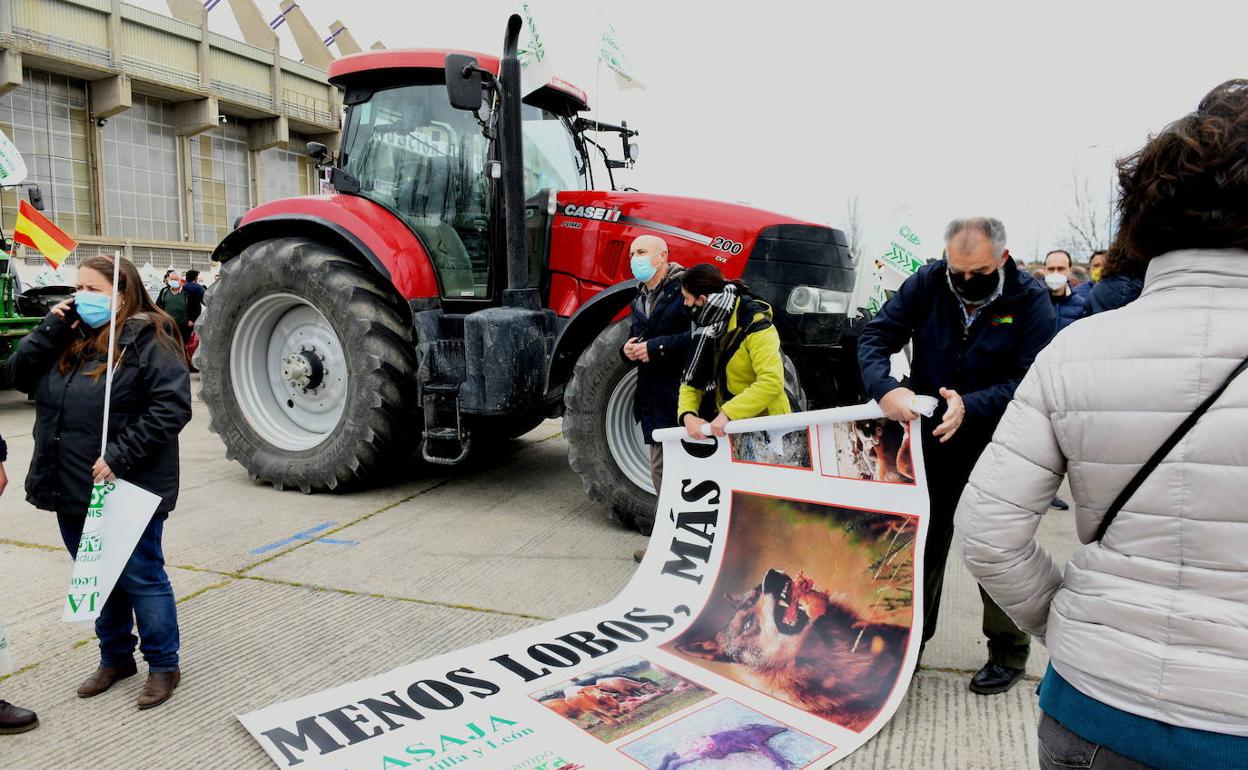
{"type": "Point", "coordinates": [308, 534]}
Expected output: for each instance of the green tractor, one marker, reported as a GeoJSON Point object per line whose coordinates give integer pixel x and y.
{"type": "Point", "coordinates": [21, 311]}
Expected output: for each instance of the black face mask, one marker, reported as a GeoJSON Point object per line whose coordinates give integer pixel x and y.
{"type": "Point", "coordinates": [976, 288]}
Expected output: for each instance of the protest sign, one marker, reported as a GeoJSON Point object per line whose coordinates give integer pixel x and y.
{"type": "Point", "coordinates": [116, 517]}
{"type": "Point", "coordinates": [772, 623]}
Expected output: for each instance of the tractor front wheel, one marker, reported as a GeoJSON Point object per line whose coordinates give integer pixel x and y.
{"type": "Point", "coordinates": [308, 366]}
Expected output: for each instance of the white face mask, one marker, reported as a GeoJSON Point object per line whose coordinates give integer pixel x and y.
{"type": "Point", "coordinates": [1055, 281]}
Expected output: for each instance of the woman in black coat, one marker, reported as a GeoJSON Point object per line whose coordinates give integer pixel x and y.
{"type": "Point", "coordinates": [62, 363]}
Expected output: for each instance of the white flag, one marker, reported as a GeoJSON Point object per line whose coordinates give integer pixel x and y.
{"type": "Point", "coordinates": [12, 167]}
{"type": "Point", "coordinates": [118, 514]}
{"type": "Point", "coordinates": [612, 55]}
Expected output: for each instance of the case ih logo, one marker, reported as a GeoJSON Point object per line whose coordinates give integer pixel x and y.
{"type": "Point", "coordinates": [592, 212]}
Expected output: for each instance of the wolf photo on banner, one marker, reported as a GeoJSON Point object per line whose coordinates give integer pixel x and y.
{"type": "Point", "coordinates": [813, 606]}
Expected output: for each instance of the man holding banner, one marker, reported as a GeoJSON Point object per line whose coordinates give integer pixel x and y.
{"type": "Point", "coordinates": [977, 326]}
{"type": "Point", "coordinates": [109, 356]}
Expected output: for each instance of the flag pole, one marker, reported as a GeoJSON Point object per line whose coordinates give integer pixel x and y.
{"type": "Point", "coordinates": [112, 342]}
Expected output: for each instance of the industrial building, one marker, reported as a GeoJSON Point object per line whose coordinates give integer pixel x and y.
{"type": "Point", "coordinates": [148, 133]}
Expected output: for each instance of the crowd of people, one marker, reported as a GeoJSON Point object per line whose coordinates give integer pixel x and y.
{"type": "Point", "coordinates": [1141, 408]}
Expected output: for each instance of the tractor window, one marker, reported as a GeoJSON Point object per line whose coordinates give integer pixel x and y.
{"type": "Point", "coordinates": [550, 157]}
{"type": "Point", "coordinates": [415, 154]}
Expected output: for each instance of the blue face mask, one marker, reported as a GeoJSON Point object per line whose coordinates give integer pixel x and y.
{"type": "Point", "coordinates": [93, 308]}
{"type": "Point", "coordinates": [642, 269]}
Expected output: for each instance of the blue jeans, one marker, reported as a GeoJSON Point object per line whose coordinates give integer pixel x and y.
{"type": "Point", "coordinates": [143, 594]}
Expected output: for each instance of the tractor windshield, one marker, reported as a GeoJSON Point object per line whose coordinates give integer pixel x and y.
{"type": "Point", "coordinates": [550, 156]}
{"type": "Point", "coordinates": [424, 160]}
{"type": "Point", "coordinates": [415, 154]}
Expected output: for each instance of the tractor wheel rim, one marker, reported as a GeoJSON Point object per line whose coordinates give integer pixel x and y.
{"type": "Point", "coordinates": [624, 437]}
{"type": "Point", "coordinates": [279, 342]}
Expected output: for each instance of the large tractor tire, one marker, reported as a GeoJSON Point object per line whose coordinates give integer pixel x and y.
{"type": "Point", "coordinates": [605, 444]}
{"type": "Point", "coordinates": [308, 367]}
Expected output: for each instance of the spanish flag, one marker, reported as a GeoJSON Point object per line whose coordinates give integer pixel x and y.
{"type": "Point", "coordinates": [35, 230]}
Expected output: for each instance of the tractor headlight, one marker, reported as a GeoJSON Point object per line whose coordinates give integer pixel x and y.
{"type": "Point", "coordinates": [812, 299]}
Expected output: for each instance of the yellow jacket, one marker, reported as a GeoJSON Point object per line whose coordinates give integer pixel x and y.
{"type": "Point", "coordinates": [754, 375]}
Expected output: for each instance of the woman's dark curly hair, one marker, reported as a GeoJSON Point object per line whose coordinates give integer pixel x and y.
{"type": "Point", "coordinates": [1188, 187]}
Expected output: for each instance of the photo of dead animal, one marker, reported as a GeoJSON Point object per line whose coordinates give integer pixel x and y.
{"type": "Point", "coordinates": [813, 607]}
{"type": "Point", "coordinates": [790, 449]}
{"type": "Point", "coordinates": [874, 450]}
{"type": "Point", "coordinates": [730, 736]}
{"type": "Point", "coordinates": [618, 700]}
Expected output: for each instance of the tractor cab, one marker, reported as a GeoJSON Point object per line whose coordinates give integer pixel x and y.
{"type": "Point", "coordinates": [407, 149]}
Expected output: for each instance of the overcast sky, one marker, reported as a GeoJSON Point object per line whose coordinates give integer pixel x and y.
{"type": "Point", "coordinates": [944, 109]}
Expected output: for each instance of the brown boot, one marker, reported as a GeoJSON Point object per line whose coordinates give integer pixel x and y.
{"type": "Point", "coordinates": [159, 688]}
{"type": "Point", "coordinates": [103, 678]}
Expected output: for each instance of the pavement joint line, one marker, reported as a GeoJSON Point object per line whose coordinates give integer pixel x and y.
{"type": "Point", "coordinates": [343, 591]}
{"type": "Point", "coordinates": [34, 546]}
{"type": "Point", "coordinates": [944, 670]}
{"type": "Point", "coordinates": [335, 530]}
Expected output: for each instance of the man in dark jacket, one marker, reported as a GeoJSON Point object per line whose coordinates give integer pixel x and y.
{"type": "Point", "coordinates": [194, 291]}
{"type": "Point", "coordinates": [1067, 303]}
{"type": "Point", "coordinates": [13, 719]}
{"type": "Point", "coordinates": [1113, 292]}
{"type": "Point", "coordinates": [977, 324]}
{"type": "Point", "coordinates": [658, 342]}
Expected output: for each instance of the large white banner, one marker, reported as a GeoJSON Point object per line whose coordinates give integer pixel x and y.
{"type": "Point", "coordinates": [769, 626]}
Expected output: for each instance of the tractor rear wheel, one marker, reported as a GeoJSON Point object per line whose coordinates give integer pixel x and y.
{"type": "Point", "coordinates": [606, 447]}
{"type": "Point", "coordinates": [308, 366]}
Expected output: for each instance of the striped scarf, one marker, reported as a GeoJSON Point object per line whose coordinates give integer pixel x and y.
{"type": "Point", "coordinates": [709, 327]}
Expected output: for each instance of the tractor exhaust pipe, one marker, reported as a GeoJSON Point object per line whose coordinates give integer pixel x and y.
{"type": "Point", "coordinates": [518, 293]}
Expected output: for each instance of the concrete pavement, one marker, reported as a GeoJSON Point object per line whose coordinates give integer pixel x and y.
{"type": "Point", "coordinates": [282, 594]}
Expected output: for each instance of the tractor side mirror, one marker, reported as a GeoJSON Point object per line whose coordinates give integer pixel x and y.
{"type": "Point", "coordinates": [318, 152]}
{"type": "Point", "coordinates": [35, 195]}
{"type": "Point", "coordinates": [633, 151]}
{"type": "Point", "coordinates": [463, 82]}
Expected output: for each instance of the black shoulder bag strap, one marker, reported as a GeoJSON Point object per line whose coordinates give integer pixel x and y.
{"type": "Point", "coordinates": [1165, 449]}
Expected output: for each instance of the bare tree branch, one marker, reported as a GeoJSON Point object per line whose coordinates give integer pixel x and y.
{"type": "Point", "coordinates": [1087, 221]}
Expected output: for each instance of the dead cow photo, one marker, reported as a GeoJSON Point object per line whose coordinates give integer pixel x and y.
{"type": "Point", "coordinates": [789, 449]}
{"type": "Point", "coordinates": [813, 607]}
{"type": "Point", "coordinates": [615, 701]}
{"type": "Point", "coordinates": [875, 450]}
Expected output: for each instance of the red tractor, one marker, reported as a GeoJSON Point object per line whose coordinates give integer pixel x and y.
{"type": "Point", "coordinates": [464, 281]}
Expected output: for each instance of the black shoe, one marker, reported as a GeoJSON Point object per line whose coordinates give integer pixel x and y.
{"type": "Point", "coordinates": [994, 678]}
{"type": "Point", "coordinates": [15, 720]}
{"type": "Point", "coordinates": [1059, 504]}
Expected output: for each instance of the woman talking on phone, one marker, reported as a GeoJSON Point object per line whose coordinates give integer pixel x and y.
{"type": "Point", "coordinates": [734, 354]}
{"type": "Point", "coordinates": [63, 364]}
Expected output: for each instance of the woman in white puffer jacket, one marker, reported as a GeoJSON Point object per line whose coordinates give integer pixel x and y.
{"type": "Point", "coordinates": [1148, 627]}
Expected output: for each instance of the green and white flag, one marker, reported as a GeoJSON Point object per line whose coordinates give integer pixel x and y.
{"type": "Point", "coordinates": [12, 167]}
{"type": "Point", "coordinates": [116, 517]}
{"type": "Point", "coordinates": [612, 54]}
{"type": "Point", "coordinates": [535, 68]}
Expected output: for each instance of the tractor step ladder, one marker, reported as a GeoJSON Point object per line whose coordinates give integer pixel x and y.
{"type": "Point", "coordinates": [444, 440]}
